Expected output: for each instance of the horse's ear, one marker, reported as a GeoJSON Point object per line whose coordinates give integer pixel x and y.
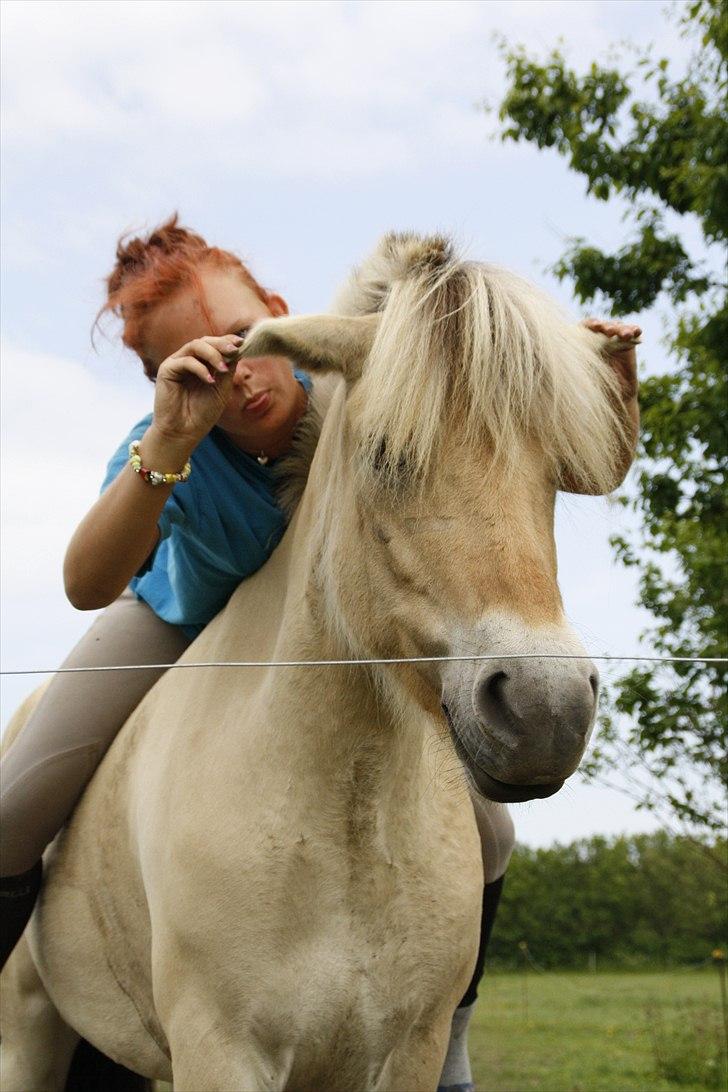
{"type": "Point", "coordinates": [397, 255]}
{"type": "Point", "coordinates": [327, 343]}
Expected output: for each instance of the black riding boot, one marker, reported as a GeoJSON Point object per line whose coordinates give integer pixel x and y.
{"type": "Point", "coordinates": [456, 1073]}
{"type": "Point", "coordinates": [491, 898]}
{"type": "Point", "coordinates": [17, 899]}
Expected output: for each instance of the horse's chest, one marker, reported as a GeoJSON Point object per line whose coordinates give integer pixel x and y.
{"type": "Point", "coordinates": [353, 997]}
{"type": "Point", "coordinates": [372, 962]}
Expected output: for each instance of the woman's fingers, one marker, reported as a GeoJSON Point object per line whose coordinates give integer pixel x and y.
{"type": "Point", "coordinates": [208, 352]}
{"type": "Point", "coordinates": [177, 367]}
{"type": "Point", "coordinates": [212, 350]}
{"type": "Point", "coordinates": [621, 354]}
{"type": "Point", "coordinates": [193, 387]}
{"type": "Point", "coordinates": [624, 330]}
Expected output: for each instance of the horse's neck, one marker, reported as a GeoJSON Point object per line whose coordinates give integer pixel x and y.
{"type": "Point", "coordinates": [364, 734]}
{"type": "Point", "coordinates": [350, 730]}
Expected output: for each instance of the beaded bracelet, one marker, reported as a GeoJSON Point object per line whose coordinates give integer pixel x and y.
{"type": "Point", "coordinates": [155, 477]}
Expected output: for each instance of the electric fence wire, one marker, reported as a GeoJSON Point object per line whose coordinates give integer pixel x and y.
{"type": "Point", "coordinates": [367, 662]}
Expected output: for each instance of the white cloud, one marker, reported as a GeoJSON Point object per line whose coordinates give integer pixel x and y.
{"type": "Point", "coordinates": [61, 421]}
{"type": "Point", "coordinates": [255, 75]}
{"type": "Point", "coordinates": [60, 425]}
{"type": "Point", "coordinates": [115, 105]}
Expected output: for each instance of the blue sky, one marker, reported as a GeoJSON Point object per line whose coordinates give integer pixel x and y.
{"type": "Point", "coordinates": [295, 134]}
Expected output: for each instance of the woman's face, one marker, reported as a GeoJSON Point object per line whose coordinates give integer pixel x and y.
{"type": "Point", "coordinates": [266, 399]}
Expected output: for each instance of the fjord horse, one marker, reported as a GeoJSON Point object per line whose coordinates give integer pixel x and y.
{"type": "Point", "coordinates": [274, 879]}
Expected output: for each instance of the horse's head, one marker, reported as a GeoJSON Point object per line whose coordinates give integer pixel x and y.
{"type": "Point", "coordinates": [468, 399]}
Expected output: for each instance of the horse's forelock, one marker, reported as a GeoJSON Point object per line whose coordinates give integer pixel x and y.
{"type": "Point", "coordinates": [471, 347]}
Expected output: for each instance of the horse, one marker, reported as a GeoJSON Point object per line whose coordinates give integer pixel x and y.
{"type": "Point", "coordinates": [274, 880]}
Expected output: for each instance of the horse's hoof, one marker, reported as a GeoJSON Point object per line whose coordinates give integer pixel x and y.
{"type": "Point", "coordinates": [467, 1087]}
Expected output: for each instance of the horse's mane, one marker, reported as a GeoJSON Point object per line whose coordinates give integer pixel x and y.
{"type": "Point", "coordinates": [471, 346]}
{"type": "Point", "coordinates": [291, 471]}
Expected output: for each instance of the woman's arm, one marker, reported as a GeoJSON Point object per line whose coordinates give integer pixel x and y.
{"type": "Point", "coordinates": [118, 534]}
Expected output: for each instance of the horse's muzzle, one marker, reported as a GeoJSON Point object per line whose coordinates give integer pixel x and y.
{"type": "Point", "coordinates": [520, 724]}
{"type": "Point", "coordinates": [490, 786]}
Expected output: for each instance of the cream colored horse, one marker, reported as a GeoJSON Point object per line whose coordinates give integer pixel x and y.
{"type": "Point", "coordinates": [274, 879]}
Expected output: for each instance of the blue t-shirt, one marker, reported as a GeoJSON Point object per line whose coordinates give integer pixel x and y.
{"type": "Point", "coordinates": [215, 530]}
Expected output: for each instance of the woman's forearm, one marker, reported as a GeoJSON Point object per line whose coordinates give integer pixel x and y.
{"type": "Point", "coordinates": [118, 534]}
{"type": "Point", "coordinates": [631, 436]}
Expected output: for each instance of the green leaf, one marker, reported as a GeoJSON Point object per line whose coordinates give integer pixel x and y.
{"type": "Point", "coordinates": [662, 143]}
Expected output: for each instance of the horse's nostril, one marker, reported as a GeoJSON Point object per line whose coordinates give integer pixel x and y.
{"type": "Point", "coordinates": [594, 682]}
{"type": "Point", "coordinates": [494, 686]}
{"type": "Point", "coordinates": [491, 698]}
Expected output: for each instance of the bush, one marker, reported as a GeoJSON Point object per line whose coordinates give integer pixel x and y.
{"type": "Point", "coordinates": [690, 1050]}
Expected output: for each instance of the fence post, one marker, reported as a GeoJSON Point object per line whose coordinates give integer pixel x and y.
{"type": "Point", "coordinates": [719, 962]}
{"type": "Point", "coordinates": [523, 948]}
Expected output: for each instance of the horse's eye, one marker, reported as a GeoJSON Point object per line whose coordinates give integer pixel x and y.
{"type": "Point", "coordinates": [381, 464]}
{"type": "Point", "coordinates": [379, 457]}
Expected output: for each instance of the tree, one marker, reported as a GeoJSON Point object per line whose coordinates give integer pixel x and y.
{"type": "Point", "coordinates": [647, 899]}
{"type": "Point", "coordinates": [660, 141]}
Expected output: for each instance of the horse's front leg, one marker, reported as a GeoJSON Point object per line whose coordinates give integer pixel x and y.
{"type": "Point", "coordinates": [37, 1045]}
{"type": "Point", "coordinates": [416, 1065]}
{"type": "Point", "coordinates": [212, 1050]}
{"type": "Point", "coordinates": [214, 1061]}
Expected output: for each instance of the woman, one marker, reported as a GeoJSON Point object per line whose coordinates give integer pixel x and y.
{"type": "Point", "coordinates": [179, 540]}
{"type": "Point", "coordinates": [182, 547]}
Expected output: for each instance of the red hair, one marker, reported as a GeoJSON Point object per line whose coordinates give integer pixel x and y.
{"type": "Point", "coordinates": [151, 269]}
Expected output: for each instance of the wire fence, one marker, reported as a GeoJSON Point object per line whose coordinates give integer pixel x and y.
{"type": "Point", "coordinates": [375, 661]}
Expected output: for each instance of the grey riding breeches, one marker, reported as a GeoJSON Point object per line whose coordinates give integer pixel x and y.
{"type": "Point", "coordinates": [497, 836]}
{"type": "Point", "coordinates": [48, 765]}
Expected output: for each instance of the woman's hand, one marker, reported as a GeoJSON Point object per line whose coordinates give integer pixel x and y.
{"type": "Point", "coordinates": [622, 358]}
{"type": "Point", "coordinates": [191, 391]}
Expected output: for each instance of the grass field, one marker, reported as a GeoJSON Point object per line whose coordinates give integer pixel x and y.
{"type": "Point", "coordinates": [606, 1032]}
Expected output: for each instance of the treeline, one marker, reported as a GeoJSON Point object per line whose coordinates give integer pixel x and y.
{"type": "Point", "coordinates": [631, 901]}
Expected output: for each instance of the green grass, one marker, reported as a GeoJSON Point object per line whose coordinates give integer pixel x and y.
{"type": "Point", "coordinates": [606, 1032]}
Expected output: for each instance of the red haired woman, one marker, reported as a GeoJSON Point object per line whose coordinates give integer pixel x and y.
{"type": "Point", "coordinates": [161, 553]}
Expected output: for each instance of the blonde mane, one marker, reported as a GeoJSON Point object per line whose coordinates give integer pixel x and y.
{"type": "Point", "coordinates": [290, 472]}
{"type": "Point", "coordinates": [470, 346]}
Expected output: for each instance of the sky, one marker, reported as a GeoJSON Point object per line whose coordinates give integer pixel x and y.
{"type": "Point", "coordinates": [294, 134]}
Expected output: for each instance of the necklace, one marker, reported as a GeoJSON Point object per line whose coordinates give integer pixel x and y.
{"type": "Point", "coordinates": [262, 459]}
